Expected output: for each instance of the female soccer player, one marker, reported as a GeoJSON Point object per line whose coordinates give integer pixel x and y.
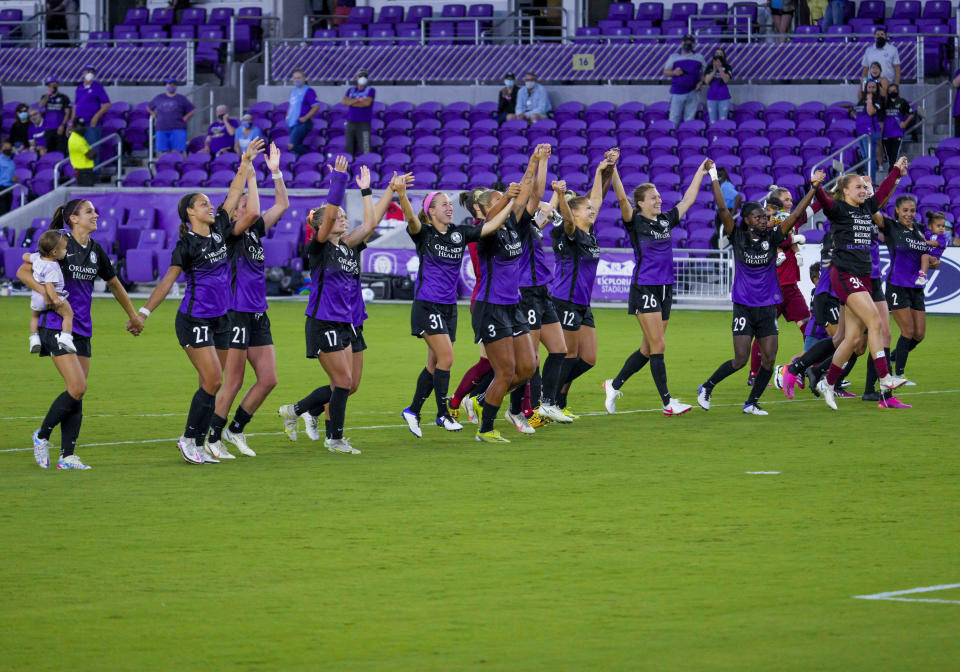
{"type": "Point", "coordinates": [85, 262]}
{"type": "Point", "coordinates": [202, 324]}
{"type": "Point", "coordinates": [755, 289]}
{"type": "Point", "coordinates": [851, 216]}
{"type": "Point", "coordinates": [651, 293]}
{"type": "Point", "coordinates": [440, 246]}
{"type": "Point", "coordinates": [250, 337]}
{"type": "Point", "coordinates": [334, 259]}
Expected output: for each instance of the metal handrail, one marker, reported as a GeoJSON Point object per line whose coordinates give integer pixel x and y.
{"type": "Point", "coordinates": [241, 85]}
{"type": "Point", "coordinates": [23, 192]}
{"type": "Point", "coordinates": [728, 15]}
{"type": "Point", "coordinates": [118, 158]}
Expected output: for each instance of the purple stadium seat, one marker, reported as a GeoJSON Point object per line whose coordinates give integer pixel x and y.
{"type": "Point", "coordinates": [689, 129]}
{"type": "Point", "coordinates": [650, 11]}
{"type": "Point", "coordinates": [749, 129]}
{"type": "Point", "coordinates": [906, 9]}
{"type": "Point", "coordinates": [811, 110]}
{"type": "Point", "coordinates": [780, 128]}
{"type": "Point", "coordinates": [620, 11]}
{"type": "Point", "coordinates": [360, 15]}
{"type": "Point", "coordinates": [872, 9]}
{"type": "Point", "coordinates": [453, 179]}
{"type": "Point", "coordinates": [137, 178]}
{"type": "Point", "coordinates": [947, 149]}
{"type": "Point", "coordinates": [307, 179]}
{"type": "Point", "coordinates": [12, 260]}
{"type": "Point", "coordinates": [937, 9]}
{"type": "Point", "coordinates": [151, 239]}
{"type": "Point", "coordinates": [417, 13]}
{"type": "Point", "coordinates": [681, 10]}
{"type": "Point", "coordinates": [810, 128]}
{"type": "Point", "coordinates": [923, 165]}
{"type": "Point", "coordinates": [140, 265]}
{"type": "Point", "coordinates": [136, 16]}
{"type": "Point", "coordinates": [193, 16]}
{"type": "Point", "coordinates": [838, 33]}
{"type": "Point", "coordinates": [814, 148]}
{"type": "Point", "coordinates": [807, 33]}
{"type": "Point", "coordinates": [599, 110]}
{"type": "Point", "coordinates": [428, 110]}
{"type": "Point", "coordinates": [780, 110]}
{"type": "Point", "coordinates": [161, 16]}
{"type": "Point", "coordinates": [125, 32]}
{"type": "Point", "coordinates": [717, 10]}
{"type": "Point", "coordinates": [390, 14]}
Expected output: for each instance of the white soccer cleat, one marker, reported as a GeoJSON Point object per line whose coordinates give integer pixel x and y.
{"type": "Point", "coordinates": [71, 462]}
{"type": "Point", "coordinates": [521, 423]}
{"type": "Point", "coordinates": [753, 409]}
{"type": "Point", "coordinates": [41, 450]}
{"type": "Point", "coordinates": [188, 449]}
{"type": "Point", "coordinates": [34, 343]}
{"type": "Point", "coordinates": [675, 408]}
{"type": "Point", "coordinates": [413, 422]}
{"type": "Point", "coordinates": [312, 424]}
{"type": "Point", "coordinates": [448, 423]}
{"type": "Point", "coordinates": [66, 342]}
{"type": "Point", "coordinates": [890, 382]}
{"type": "Point", "coordinates": [778, 376]}
{"type": "Point", "coordinates": [467, 405]}
{"type": "Point", "coordinates": [289, 421]}
{"type": "Point", "coordinates": [827, 393]}
{"type": "Point", "coordinates": [611, 394]}
{"type": "Point", "coordinates": [217, 450]}
{"type": "Point", "coordinates": [239, 441]}
{"type": "Point", "coordinates": [553, 412]}
{"type": "Point", "coordinates": [703, 397]}
{"type": "Point", "coordinates": [341, 446]}
{"type": "Point", "coordinates": [908, 383]}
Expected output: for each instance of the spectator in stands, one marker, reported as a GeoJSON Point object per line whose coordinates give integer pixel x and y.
{"type": "Point", "coordinates": [20, 131]}
{"type": "Point", "coordinates": [533, 102]}
{"type": "Point", "coordinates": [359, 99]}
{"type": "Point", "coordinates": [507, 98]}
{"type": "Point", "coordinates": [56, 116]}
{"type": "Point", "coordinates": [56, 19]}
{"type": "Point", "coordinates": [37, 131]}
{"type": "Point", "coordinates": [81, 155]}
{"type": "Point", "coordinates": [220, 134]}
{"type": "Point", "coordinates": [956, 104]}
{"type": "Point", "coordinates": [897, 115]}
{"type": "Point", "coordinates": [873, 75]}
{"type": "Point", "coordinates": [92, 102]}
{"type": "Point", "coordinates": [718, 93]}
{"type": "Point", "coordinates": [303, 105]}
{"type": "Point", "coordinates": [887, 55]}
{"type": "Point", "coordinates": [171, 111]}
{"type": "Point", "coordinates": [246, 134]}
{"type": "Point", "coordinates": [834, 13]}
{"type": "Point", "coordinates": [782, 11]}
{"type": "Point", "coordinates": [867, 121]}
{"type": "Point", "coordinates": [7, 178]}
{"type": "Point", "coordinates": [684, 68]}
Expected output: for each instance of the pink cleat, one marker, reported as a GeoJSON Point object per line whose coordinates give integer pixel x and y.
{"type": "Point", "coordinates": [789, 381]}
{"type": "Point", "coordinates": [892, 402]}
{"type": "Point", "coordinates": [843, 394]}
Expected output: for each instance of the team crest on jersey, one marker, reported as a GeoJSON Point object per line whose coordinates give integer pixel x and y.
{"type": "Point", "coordinates": [456, 237]}
{"type": "Point", "coordinates": [216, 238]}
{"type": "Point", "coordinates": [93, 257]}
{"type": "Point", "coordinates": [765, 245]}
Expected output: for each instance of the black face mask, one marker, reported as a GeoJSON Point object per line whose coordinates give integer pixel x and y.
{"type": "Point", "coordinates": [893, 95]}
{"type": "Point", "coordinates": [688, 45]}
{"type": "Point", "coordinates": [53, 91]}
{"type": "Point", "coordinates": [881, 41]}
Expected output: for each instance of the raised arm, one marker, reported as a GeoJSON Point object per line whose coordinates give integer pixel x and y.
{"type": "Point", "coordinates": [540, 183]}
{"type": "Point", "coordinates": [691, 194]}
{"type": "Point", "coordinates": [413, 222]}
{"type": "Point", "coordinates": [338, 186]}
{"type": "Point", "coordinates": [601, 181]}
{"type": "Point", "coordinates": [565, 212]}
{"type": "Point", "coordinates": [380, 207]}
{"type": "Point", "coordinates": [491, 225]}
{"type": "Point", "coordinates": [281, 202]}
{"type": "Point", "coordinates": [885, 190]}
{"type": "Point", "coordinates": [786, 226]}
{"type": "Point", "coordinates": [253, 204]}
{"type": "Point", "coordinates": [526, 184]}
{"type": "Point", "coordinates": [236, 187]}
{"type": "Point", "coordinates": [725, 217]}
{"type": "Point", "coordinates": [626, 209]}
{"type": "Point", "coordinates": [365, 230]}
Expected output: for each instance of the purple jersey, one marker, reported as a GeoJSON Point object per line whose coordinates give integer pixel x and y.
{"type": "Point", "coordinates": [755, 260]}
{"type": "Point", "coordinates": [204, 260]}
{"type": "Point", "coordinates": [865, 122]}
{"type": "Point", "coordinates": [910, 246]}
{"type": "Point", "coordinates": [813, 329]}
{"type": "Point", "coordinates": [577, 258]}
{"type": "Point", "coordinates": [895, 112]}
{"type": "Point", "coordinates": [170, 111]}
{"type": "Point", "coordinates": [38, 134]}
{"type": "Point", "coordinates": [90, 98]}
{"type": "Point", "coordinates": [500, 256]}
{"type": "Point", "coordinates": [718, 88]}
{"type": "Point", "coordinates": [692, 66]}
{"type": "Point", "coordinates": [652, 247]}
{"type": "Point", "coordinates": [360, 114]}
{"type": "Point", "coordinates": [534, 271]}
{"type": "Point", "coordinates": [941, 239]}
{"type": "Point", "coordinates": [440, 257]}
{"type": "Point", "coordinates": [80, 267]}
{"type": "Point", "coordinates": [55, 110]}
{"type": "Point", "coordinates": [826, 256]}
{"type": "Point", "coordinates": [248, 282]}
{"type": "Point", "coordinates": [359, 307]}
{"type": "Point", "coordinates": [334, 271]}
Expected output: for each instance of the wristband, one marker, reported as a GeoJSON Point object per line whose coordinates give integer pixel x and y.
{"type": "Point", "coordinates": [277, 175]}
{"type": "Point", "coordinates": [143, 311]}
{"type": "Point", "coordinates": [366, 192]}
{"type": "Point", "coordinates": [338, 184]}
{"type": "Point", "coordinates": [713, 174]}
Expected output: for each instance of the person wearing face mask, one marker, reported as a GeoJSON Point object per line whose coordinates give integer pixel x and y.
{"type": "Point", "coordinates": [533, 102]}
{"type": "Point", "coordinates": [92, 102]}
{"type": "Point", "coordinates": [19, 137]}
{"type": "Point", "coordinates": [37, 132]}
{"type": "Point", "coordinates": [359, 102]}
{"type": "Point", "coordinates": [718, 93]}
{"type": "Point", "coordinates": [56, 116]}
{"type": "Point", "coordinates": [897, 114]}
{"type": "Point", "coordinates": [887, 55]}
{"type": "Point", "coordinates": [81, 155]}
{"type": "Point", "coordinates": [684, 68]}
{"type": "Point", "coordinates": [866, 117]}
{"type": "Point", "coordinates": [507, 98]}
{"type": "Point", "coordinates": [246, 134]}
{"type": "Point", "coordinates": [7, 178]}
{"type": "Point", "coordinates": [303, 105]}
{"type": "Point", "coordinates": [221, 133]}
{"type": "Point", "coordinates": [171, 112]}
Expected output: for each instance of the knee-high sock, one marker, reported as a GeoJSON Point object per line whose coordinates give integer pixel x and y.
{"type": "Point", "coordinates": [636, 361]}
{"type": "Point", "coordinates": [566, 368]}
{"type": "Point", "coordinates": [470, 378]}
{"type": "Point", "coordinates": [317, 399]}
{"type": "Point", "coordinates": [441, 383]}
{"type": "Point", "coordinates": [195, 419]}
{"type": "Point", "coordinates": [241, 418]}
{"type": "Point", "coordinates": [755, 357]}
{"type": "Point", "coordinates": [724, 370]}
{"type": "Point", "coordinates": [424, 386]}
{"type": "Point", "coordinates": [216, 428]}
{"type": "Point", "coordinates": [759, 384]}
{"type": "Point", "coordinates": [552, 370]}
{"type": "Point", "coordinates": [658, 369]}
{"type": "Point", "coordinates": [206, 416]}
{"type": "Point", "coordinates": [516, 399]}
{"type": "Point", "coordinates": [819, 352]}
{"type": "Point", "coordinates": [580, 367]}
{"type": "Point", "coordinates": [487, 416]}
{"type": "Point", "coordinates": [847, 368]}
{"type": "Point", "coordinates": [870, 385]}
{"type": "Point", "coordinates": [480, 387]}
{"type": "Point", "coordinates": [535, 389]}
{"type": "Point", "coordinates": [61, 407]}
{"type": "Point", "coordinates": [904, 346]}
{"type": "Point", "coordinates": [70, 429]}
{"type": "Point", "coordinates": [338, 411]}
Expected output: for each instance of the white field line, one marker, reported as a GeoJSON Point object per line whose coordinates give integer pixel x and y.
{"type": "Point", "coordinates": [590, 414]}
{"type": "Point", "coordinates": [894, 595]}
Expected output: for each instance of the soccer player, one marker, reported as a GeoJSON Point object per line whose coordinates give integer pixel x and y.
{"type": "Point", "coordinates": [250, 337]}
{"type": "Point", "coordinates": [651, 293]}
{"type": "Point", "coordinates": [755, 289]}
{"type": "Point", "coordinates": [85, 261]}
{"type": "Point", "coordinates": [202, 324]}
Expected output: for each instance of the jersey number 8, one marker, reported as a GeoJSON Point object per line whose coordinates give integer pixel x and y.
{"type": "Point", "coordinates": [532, 316]}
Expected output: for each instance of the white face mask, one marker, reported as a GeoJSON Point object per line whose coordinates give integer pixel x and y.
{"type": "Point", "coordinates": [88, 77]}
{"type": "Point", "coordinates": [361, 81]}
{"type": "Point", "coordinates": [529, 85]}
{"type": "Point", "coordinates": [508, 83]}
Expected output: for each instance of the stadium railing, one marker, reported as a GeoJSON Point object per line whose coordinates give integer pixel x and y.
{"type": "Point", "coordinates": [703, 276]}
{"type": "Point", "coordinates": [118, 159]}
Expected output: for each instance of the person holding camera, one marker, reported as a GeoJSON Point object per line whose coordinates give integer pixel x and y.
{"type": "Point", "coordinates": [220, 135]}
{"type": "Point", "coordinates": [56, 116]}
{"type": "Point", "coordinates": [684, 69]}
{"type": "Point", "coordinates": [716, 79]}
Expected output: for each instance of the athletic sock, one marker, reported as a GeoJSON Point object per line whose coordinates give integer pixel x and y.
{"type": "Point", "coordinates": [424, 386]}
{"type": "Point", "coordinates": [834, 374]}
{"type": "Point", "coordinates": [338, 411]}
{"type": "Point", "coordinates": [566, 368]}
{"type": "Point", "coordinates": [880, 362]}
{"type": "Point", "coordinates": [525, 406]}
{"type": "Point", "coordinates": [580, 367]}
{"type": "Point", "coordinates": [70, 429]}
{"type": "Point", "coordinates": [470, 378]}
{"type": "Point", "coordinates": [316, 399]}
{"type": "Point", "coordinates": [441, 384]}
{"type": "Point", "coordinates": [195, 416]}
{"type": "Point", "coordinates": [209, 403]}
{"type": "Point", "coordinates": [240, 420]}
{"type": "Point", "coordinates": [724, 370]}
{"type": "Point", "coordinates": [870, 385]}
{"type": "Point", "coordinates": [634, 363]}
{"type": "Point", "coordinates": [536, 388]}
{"type": "Point", "coordinates": [562, 400]}
{"type": "Point", "coordinates": [912, 343]}
{"type": "Point", "coordinates": [659, 371]}
{"type": "Point", "coordinates": [329, 431]}
{"type": "Point", "coordinates": [847, 368]}
{"type": "Point", "coordinates": [759, 384]}
{"type": "Point", "coordinates": [480, 387]}
{"type": "Point", "coordinates": [552, 367]}
{"type": "Point", "coordinates": [61, 407]}
{"type": "Point", "coordinates": [216, 427]}
{"type": "Point", "coordinates": [820, 369]}
{"type": "Point", "coordinates": [755, 358]}
{"type": "Point", "coordinates": [487, 416]}
{"type": "Point", "coordinates": [516, 400]}
{"type": "Point", "coordinates": [820, 351]}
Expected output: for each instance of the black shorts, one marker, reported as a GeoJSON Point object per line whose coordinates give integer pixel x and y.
{"type": "Point", "coordinates": [573, 315]}
{"type": "Point", "coordinates": [899, 298]}
{"type": "Point", "coordinates": [826, 309]}
{"type": "Point", "coordinates": [50, 347]}
{"type": "Point", "coordinates": [433, 318]}
{"type": "Point", "coordinates": [651, 299]}
{"type": "Point", "coordinates": [537, 307]}
{"type": "Point", "coordinates": [203, 332]}
{"type": "Point", "coordinates": [756, 321]}
{"type": "Point", "coordinates": [356, 339]}
{"type": "Point", "coordinates": [249, 330]}
{"type": "Point", "coordinates": [326, 336]}
{"type": "Point", "coordinates": [493, 321]}
{"type": "Point", "coordinates": [876, 290]}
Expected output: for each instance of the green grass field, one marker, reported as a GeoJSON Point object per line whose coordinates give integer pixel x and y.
{"type": "Point", "coordinates": [617, 543]}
